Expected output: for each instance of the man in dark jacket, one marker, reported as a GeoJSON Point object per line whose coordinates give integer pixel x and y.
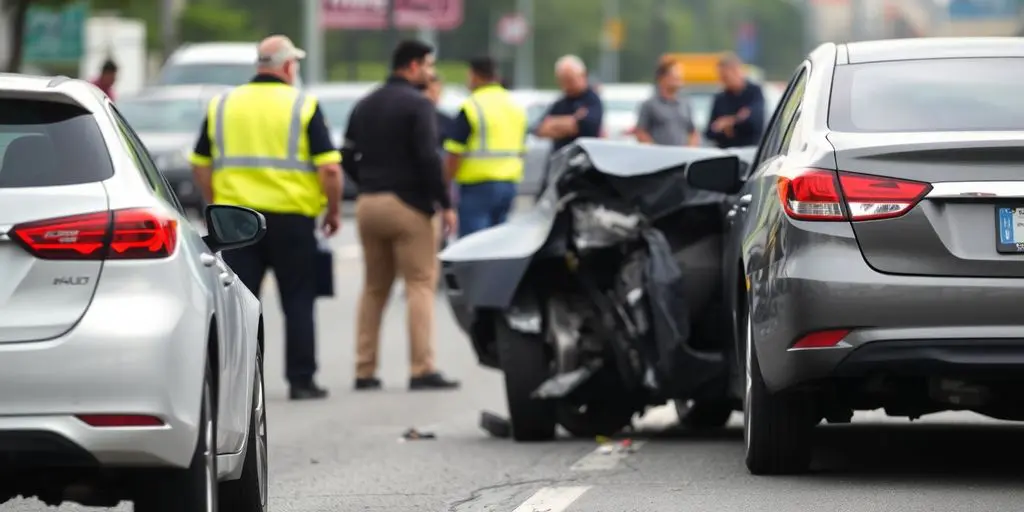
{"type": "Point", "coordinates": [392, 140]}
{"type": "Point", "coordinates": [737, 115]}
{"type": "Point", "coordinates": [433, 89]}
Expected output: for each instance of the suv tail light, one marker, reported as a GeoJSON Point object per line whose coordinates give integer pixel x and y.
{"type": "Point", "coordinates": [823, 195]}
{"type": "Point", "coordinates": [131, 234]}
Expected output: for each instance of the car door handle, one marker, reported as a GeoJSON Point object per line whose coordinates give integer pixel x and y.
{"type": "Point", "coordinates": [226, 278]}
{"type": "Point", "coordinates": [208, 259]}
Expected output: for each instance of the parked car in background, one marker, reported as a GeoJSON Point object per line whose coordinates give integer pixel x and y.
{"type": "Point", "coordinates": [130, 353]}
{"type": "Point", "coordinates": [211, 63]}
{"type": "Point", "coordinates": [621, 106]}
{"type": "Point", "coordinates": [167, 120]}
{"type": "Point", "coordinates": [536, 103]}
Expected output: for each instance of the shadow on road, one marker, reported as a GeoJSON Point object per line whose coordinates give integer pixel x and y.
{"type": "Point", "coordinates": [945, 453]}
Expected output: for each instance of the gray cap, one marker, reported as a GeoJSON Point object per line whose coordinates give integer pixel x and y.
{"type": "Point", "coordinates": [276, 50]}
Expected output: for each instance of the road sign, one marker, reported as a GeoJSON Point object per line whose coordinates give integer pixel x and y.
{"type": "Point", "coordinates": [982, 9]}
{"type": "Point", "coordinates": [55, 35]}
{"type": "Point", "coordinates": [513, 29]}
{"type": "Point", "coordinates": [614, 33]}
{"type": "Point", "coordinates": [373, 14]}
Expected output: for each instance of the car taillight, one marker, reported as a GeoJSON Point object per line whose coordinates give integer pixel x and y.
{"type": "Point", "coordinates": [819, 194]}
{"type": "Point", "coordinates": [821, 339]}
{"type": "Point", "coordinates": [129, 234]}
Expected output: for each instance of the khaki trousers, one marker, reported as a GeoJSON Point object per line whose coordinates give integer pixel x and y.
{"type": "Point", "coordinates": [397, 240]}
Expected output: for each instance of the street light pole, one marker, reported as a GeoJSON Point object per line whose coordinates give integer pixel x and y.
{"type": "Point", "coordinates": [524, 51]}
{"type": "Point", "coordinates": [314, 41]}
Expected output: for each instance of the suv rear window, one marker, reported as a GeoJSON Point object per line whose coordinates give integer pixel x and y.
{"type": "Point", "coordinates": [967, 94]}
{"type": "Point", "coordinates": [45, 144]}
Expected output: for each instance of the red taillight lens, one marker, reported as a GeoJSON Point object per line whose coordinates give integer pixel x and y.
{"type": "Point", "coordinates": [812, 194]}
{"type": "Point", "coordinates": [819, 194]}
{"type": "Point", "coordinates": [121, 235]}
{"type": "Point", "coordinates": [120, 420]}
{"type": "Point", "coordinates": [821, 339]}
{"type": "Point", "coordinates": [877, 197]}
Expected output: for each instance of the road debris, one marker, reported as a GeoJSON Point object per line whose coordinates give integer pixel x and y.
{"type": "Point", "coordinates": [495, 425]}
{"type": "Point", "coordinates": [415, 435]}
{"type": "Point", "coordinates": [609, 446]}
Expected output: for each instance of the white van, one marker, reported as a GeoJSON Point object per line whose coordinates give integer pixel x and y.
{"type": "Point", "coordinates": [210, 64]}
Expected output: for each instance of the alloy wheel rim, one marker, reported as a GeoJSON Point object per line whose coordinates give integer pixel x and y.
{"type": "Point", "coordinates": [748, 393]}
{"type": "Point", "coordinates": [261, 439]}
{"type": "Point", "coordinates": [208, 456]}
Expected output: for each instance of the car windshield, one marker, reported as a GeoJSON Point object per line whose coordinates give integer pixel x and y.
{"type": "Point", "coordinates": [337, 109]}
{"type": "Point", "coordinates": [163, 115]}
{"type": "Point", "coordinates": [216, 73]}
{"type": "Point", "coordinates": [621, 105]}
{"type": "Point", "coordinates": [928, 95]}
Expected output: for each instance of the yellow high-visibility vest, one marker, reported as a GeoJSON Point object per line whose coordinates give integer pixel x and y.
{"type": "Point", "coordinates": [260, 148]}
{"type": "Point", "coordinates": [497, 140]}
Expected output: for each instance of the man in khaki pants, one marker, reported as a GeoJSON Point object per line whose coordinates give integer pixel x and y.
{"type": "Point", "coordinates": [391, 152]}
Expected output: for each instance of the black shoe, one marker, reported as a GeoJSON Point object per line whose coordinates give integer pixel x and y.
{"type": "Point", "coordinates": [432, 381]}
{"type": "Point", "coordinates": [307, 392]}
{"type": "Point", "coordinates": [368, 384]}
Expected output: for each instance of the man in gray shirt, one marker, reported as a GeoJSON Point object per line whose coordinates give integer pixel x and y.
{"type": "Point", "coordinates": [664, 118]}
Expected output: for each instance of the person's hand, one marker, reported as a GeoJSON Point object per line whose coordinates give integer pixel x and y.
{"type": "Point", "coordinates": [331, 224]}
{"type": "Point", "coordinates": [743, 114]}
{"type": "Point", "coordinates": [722, 124]}
{"type": "Point", "coordinates": [581, 113]}
{"type": "Point", "coordinates": [450, 221]}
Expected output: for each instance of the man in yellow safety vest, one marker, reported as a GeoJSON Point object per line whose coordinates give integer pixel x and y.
{"type": "Point", "coordinates": [265, 145]}
{"type": "Point", "coordinates": [485, 150]}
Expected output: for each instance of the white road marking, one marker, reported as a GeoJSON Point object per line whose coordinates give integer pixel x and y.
{"type": "Point", "coordinates": [603, 459]}
{"type": "Point", "coordinates": [552, 499]}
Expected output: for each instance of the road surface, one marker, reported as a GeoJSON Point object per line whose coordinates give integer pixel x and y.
{"type": "Point", "coordinates": [344, 454]}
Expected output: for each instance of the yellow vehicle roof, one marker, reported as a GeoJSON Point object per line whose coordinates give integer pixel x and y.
{"type": "Point", "coordinates": [702, 68]}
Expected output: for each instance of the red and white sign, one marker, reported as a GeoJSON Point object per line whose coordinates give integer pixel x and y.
{"type": "Point", "coordinates": [373, 14]}
{"type": "Point", "coordinates": [513, 29]}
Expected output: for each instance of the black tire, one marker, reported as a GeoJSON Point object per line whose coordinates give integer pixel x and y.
{"type": "Point", "coordinates": [700, 415]}
{"type": "Point", "coordinates": [777, 427]}
{"type": "Point", "coordinates": [526, 364]}
{"type": "Point", "coordinates": [249, 492]}
{"type": "Point", "coordinates": [598, 408]}
{"type": "Point", "coordinates": [193, 489]}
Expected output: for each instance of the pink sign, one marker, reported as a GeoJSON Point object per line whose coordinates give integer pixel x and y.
{"type": "Point", "coordinates": [373, 14]}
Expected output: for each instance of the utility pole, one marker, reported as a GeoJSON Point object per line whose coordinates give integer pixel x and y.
{"type": "Point", "coordinates": [393, 34]}
{"type": "Point", "coordinates": [168, 26]}
{"type": "Point", "coordinates": [524, 52]}
{"type": "Point", "coordinates": [660, 26]}
{"type": "Point", "coordinates": [611, 42]}
{"type": "Point", "coordinates": [314, 41]}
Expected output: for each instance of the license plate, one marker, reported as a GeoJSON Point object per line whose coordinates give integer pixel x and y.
{"type": "Point", "coordinates": [1010, 230]}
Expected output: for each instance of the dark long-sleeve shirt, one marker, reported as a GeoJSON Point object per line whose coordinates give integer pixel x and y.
{"type": "Point", "coordinates": [391, 146]}
{"type": "Point", "coordinates": [747, 132]}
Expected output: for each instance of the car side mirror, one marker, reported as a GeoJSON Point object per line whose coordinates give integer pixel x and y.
{"type": "Point", "coordinates": [716, 174]}
{"type": "Point", "coordinates": [233, 227]}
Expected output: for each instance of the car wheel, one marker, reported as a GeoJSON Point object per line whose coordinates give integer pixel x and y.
{"type": "Point", "coordinates": [776, 426]}
{"type": "Point", "coordinates": [703, 414]}
{"type": "Point", "coordinates": [193, 489]}
{"type": "Point", "coordinates": [526, 365]}
{"type": "Point", "coordinates": [249, 493]}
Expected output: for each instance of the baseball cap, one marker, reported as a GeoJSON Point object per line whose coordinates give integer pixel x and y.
{"type": "Point", "coordinates": [285, 51]}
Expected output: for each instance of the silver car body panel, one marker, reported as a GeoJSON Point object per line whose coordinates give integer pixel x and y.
{"type": "Point", "coordinates": [137, 342]}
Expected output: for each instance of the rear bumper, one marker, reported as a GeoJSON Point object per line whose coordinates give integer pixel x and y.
{"type": "Point", "coordinates": [136, 351]}
{"type": "Point", "coordinates": [900, 325]}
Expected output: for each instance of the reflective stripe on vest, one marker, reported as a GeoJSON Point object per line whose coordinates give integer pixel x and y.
{"type": "Point", "coordinates": [292, 163]}
{"type": "Point", "coordinates": [484, 152]}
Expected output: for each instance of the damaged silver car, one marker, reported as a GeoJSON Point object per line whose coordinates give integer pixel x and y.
{"type": "Point", "coordinates": [605, 298]}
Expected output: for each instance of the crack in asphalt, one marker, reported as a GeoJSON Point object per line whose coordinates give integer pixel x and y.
{"type": "Point", "coordinates": [478, 493]}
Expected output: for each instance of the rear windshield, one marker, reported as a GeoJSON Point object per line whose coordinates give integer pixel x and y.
{"type": "Point", "coordinates": [45, 144]}
{"type": "Point", "coordinates": [162, 115]}
{"type": "Point", "coordinates": [929, 95]}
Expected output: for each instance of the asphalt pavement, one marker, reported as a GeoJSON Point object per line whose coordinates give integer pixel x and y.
{"type": "Point", "coordinates": [345, 454]}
